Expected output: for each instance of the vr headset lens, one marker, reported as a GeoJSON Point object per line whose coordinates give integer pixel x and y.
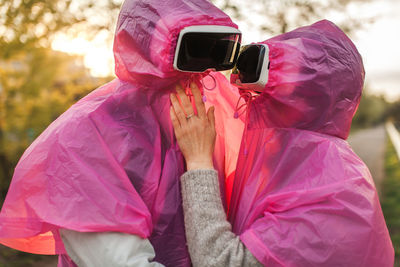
{"type": "Point", "coordinates": [250, 63]}
{"type": "Point", "coordinates": [200, 51]}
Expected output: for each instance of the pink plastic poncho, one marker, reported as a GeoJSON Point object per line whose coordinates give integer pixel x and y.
{"type": "Point", "coordinates": [111, 162]}
{"type": "Point", "coordinates": [301, 196]}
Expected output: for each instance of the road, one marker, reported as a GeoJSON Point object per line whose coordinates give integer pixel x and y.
{"type": "Point", "coordinates": [369, 145]}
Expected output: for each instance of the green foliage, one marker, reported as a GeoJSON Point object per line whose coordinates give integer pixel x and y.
{"type": "Point", "coordinates": [14, 258]}
{"type": "Point", "coordinates": [393, 112]}
{"type": "Point", "coordinates": [391, 197]}
{"type": "Point", "coordinates": [371, 111]}
{"type": "Point", "coordinates": [26, 24]}
{"type": "Point", "coordinates": [37, 84]}
{"type": "Point", "coordinates": [36, 88]}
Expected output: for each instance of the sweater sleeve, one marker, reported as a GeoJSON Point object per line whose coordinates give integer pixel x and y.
{"type": "Point", "coordinates": [108, 249]}
{"type": "Point", "coordinates": [210, 239]}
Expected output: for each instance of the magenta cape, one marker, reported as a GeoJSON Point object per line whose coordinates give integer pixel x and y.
{"type": "Point", "coordinates": [111, 162]}
{"type": "Point", "coordinates": [301, 196]}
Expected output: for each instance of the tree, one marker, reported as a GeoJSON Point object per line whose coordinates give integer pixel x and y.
{"type": "Point", "coordinates": [371, 111]}
{"type": "Point", "coordinates": [37, 84]}
{"type": "Point", "coordinates": [278, 16]}
{"type": "Point", "coordinates": [37, 88]}
{"type": "Point", "coordinates": [393, 113]}
{"type": "Point", "coordinates": [34, 86]}
{"type": "Point", "coordinates": [34, 23]}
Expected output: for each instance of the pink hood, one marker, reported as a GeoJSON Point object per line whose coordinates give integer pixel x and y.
{"type": "Point", "coordinates": [301, 197]}
{"type": "Point", "coordinates": [315, 81]}
{"type": "Point", "coordinates": [146, 36]}
{"type": "Point", "coordinates": [111, 162]}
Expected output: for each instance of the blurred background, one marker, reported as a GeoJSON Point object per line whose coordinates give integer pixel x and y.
{"type": "Point", "coordinates": [54, 52]}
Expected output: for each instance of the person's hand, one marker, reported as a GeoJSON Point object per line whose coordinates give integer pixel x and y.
{"type": "Point", "coordinates": [195, 133]}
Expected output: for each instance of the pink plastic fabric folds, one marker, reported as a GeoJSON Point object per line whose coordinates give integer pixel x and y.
{"type": "Point", "coordinates": [301, 197]}
{"type": "Point", "coordinates": [111, 162]}
{"type": "Point", "coordinates": [229, 129]}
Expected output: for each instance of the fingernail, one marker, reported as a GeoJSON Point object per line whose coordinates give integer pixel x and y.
{"type": "Point", "coordinates": [204, 98]}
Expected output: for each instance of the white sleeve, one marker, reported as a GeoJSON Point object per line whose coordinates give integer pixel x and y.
{"type": "Point", "coordinates": [108, 249]}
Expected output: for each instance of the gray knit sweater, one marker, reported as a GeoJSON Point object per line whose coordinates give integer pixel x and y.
{"type": "Point", "coordinates": [208, 233]}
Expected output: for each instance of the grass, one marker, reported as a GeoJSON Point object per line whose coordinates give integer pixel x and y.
{"type": "Point", "coordinates": [391, 197]}
{"type": "Point", "coordinates": [14, 258]}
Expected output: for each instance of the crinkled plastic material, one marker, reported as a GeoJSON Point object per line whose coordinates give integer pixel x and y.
{"type": "Point", "coordinates": [111, 162]}
{"type": "Point", "coordinates": [229, 129]}
{"type": "Point", "coordinates": [301, 197]}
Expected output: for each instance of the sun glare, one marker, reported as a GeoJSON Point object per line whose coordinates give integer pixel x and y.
{"type": "Point", "coordinates": [97, 54]}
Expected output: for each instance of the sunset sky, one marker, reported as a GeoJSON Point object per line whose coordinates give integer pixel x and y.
{"type": "Point", "coordinates": [378, 43]}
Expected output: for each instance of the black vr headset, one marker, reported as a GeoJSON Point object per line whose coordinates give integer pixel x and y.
{"type": "Point", "coordinates": [207, 47]}
{"type": "Point", "coordinates": [251, 70]}
{"type": "Point", "coordinates": [210, 47]}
